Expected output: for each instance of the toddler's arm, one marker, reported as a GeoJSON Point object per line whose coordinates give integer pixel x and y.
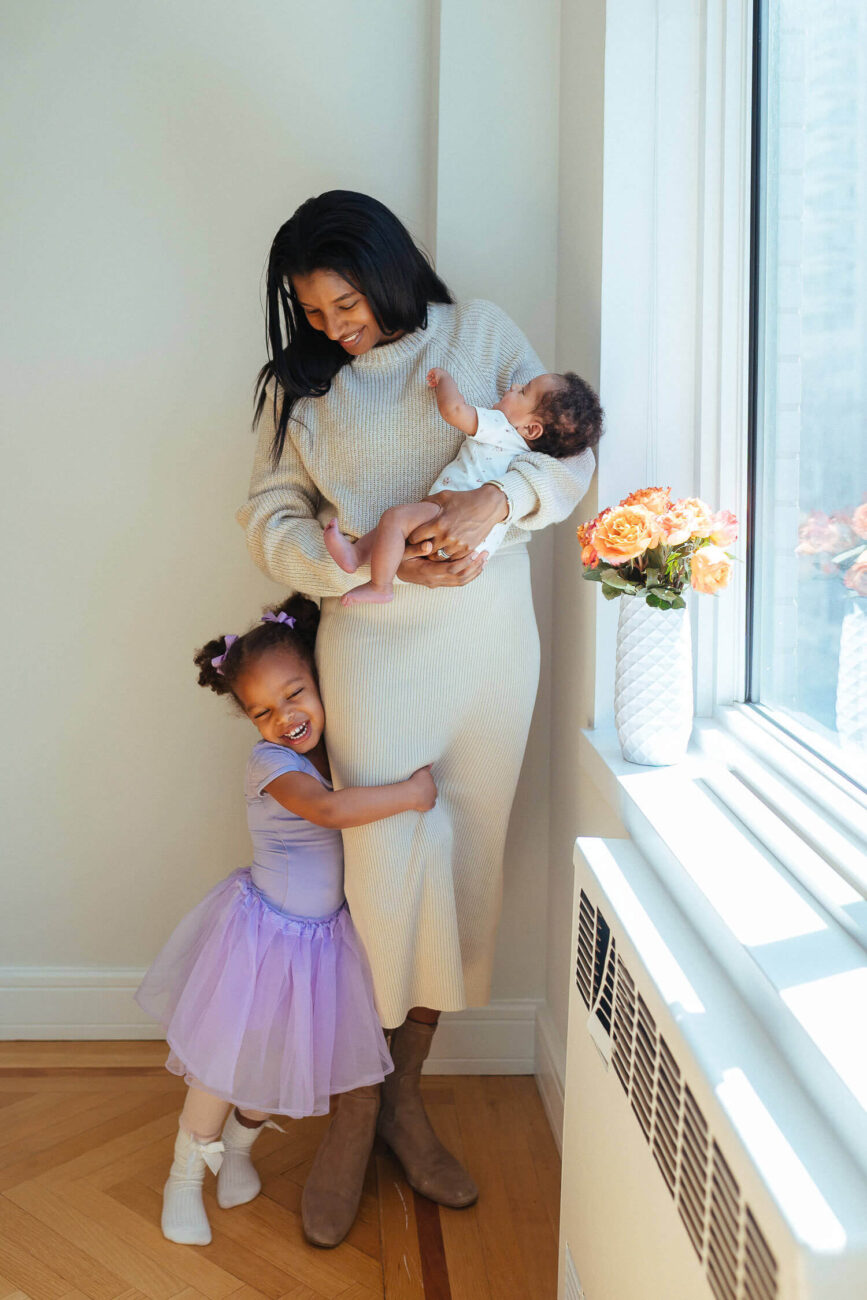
{"type": "Point", "coordinates": [453, 408]}
{"type": "Point", "coordinates": [356, 805]}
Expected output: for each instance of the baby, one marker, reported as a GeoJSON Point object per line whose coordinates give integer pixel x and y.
{"type": "Point", "coordinates": [559, 415]}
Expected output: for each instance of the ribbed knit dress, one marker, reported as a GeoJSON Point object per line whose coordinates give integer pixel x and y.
{"type": "Point", "coordinates": [445, 675]}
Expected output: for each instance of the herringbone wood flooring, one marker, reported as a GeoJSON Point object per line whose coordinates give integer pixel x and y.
{"type": "Point", "coordinates": [86, 1134]}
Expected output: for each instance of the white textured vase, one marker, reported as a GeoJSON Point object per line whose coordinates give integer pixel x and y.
{"type": "Point", "coordinates": [653, 682]}
{"type": "Point", "coordinates": [852, 678]}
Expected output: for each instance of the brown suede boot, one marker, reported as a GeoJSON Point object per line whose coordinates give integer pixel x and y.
{"type": "Point", "coordinates": [332, 1192]}
{"type": "Point", "coordinates": [403, 1123]}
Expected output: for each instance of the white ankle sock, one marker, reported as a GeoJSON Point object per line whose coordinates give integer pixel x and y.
{"type": "Point", "coordinates": [237, 1181]}
{"type": "Point", "coordinates": [184, 1219]}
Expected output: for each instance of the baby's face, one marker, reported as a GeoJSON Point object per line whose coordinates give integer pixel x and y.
{"type": "Point", "coordinates": [521, 402]}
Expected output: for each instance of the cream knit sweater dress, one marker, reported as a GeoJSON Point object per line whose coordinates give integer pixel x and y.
{"type": "Point", "coordinates": [441, 675]}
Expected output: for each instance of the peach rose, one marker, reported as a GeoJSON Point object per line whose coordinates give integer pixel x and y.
{"type": "Point", "coordinates": [710, 570]}
{"type": "Point", "coordinates": [725, 529]}
{"type": "Point", "coordinates": [856, 577]}
{"type": "Point", "coordinates": [820, 534]}
{"type": "Point", "coordinates": [589, 556]}
{"type": "Point", "coordinates": [655, 499]}
{"type": "Point", "coordinates": [624, 533]}
{"type": "Point", "coordinates": [859, 520]}
{"type": "Point", "coordinates": [688, 517]}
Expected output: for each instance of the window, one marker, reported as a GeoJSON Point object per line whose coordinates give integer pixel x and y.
{"type": "Point", "coordinates": [808, 550]}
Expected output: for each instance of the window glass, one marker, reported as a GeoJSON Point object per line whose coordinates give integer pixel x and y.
{"type": "Point", "coordinates": [809, 588]}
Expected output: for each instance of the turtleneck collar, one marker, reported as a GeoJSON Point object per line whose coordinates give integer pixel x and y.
{"type": "Point", "coordinates": [392, 354]}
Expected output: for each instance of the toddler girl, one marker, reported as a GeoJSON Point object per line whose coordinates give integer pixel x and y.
{"type": "Point", "coordinates": [556, 414]}
{"type": "Point", "coordinates": [263, 988]}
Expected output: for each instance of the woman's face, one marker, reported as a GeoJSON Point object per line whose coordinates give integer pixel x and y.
{"type": "Point", "coordinates": [332, 305]}
{"type": "Point", "coordinates": [280, 697]}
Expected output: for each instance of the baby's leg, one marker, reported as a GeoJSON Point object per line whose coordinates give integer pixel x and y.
{"type": "Point", "coordinates": [389, 544]}
{"type": "Point", "coordinates": [349, 555]}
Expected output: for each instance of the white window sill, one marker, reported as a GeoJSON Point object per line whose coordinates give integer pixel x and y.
{"type": "Point", "coordinates": [766, 857]}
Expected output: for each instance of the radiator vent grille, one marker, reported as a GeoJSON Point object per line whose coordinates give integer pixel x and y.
{"type": "Point", "coordinates": [623, 1028]}
{"type": "Point", "coordinates": [692, 1189]}
{"type": "Point", "coordinates": [586, 945]}
{"type": "Point", "coordinates": [760, 1267]}
{"type": "Point", "coordinates": [721, 1226]}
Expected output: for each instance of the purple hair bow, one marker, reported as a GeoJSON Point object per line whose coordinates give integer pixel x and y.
{"type": "Point", "coordinates": [217, 663]}
{"type": "Point", "coordinates": [282, 617]}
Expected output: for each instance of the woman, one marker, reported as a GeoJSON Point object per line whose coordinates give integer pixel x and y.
{"type": "Point", "coordinates": [446, 674]}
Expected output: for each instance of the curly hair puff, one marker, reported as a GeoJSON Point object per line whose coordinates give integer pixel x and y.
{"type": "Point", "coordinates": [245, 649]}
{"type": "Point", "coordinates": [571, 416]}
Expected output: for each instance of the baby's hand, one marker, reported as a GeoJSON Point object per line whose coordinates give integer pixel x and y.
{"type": "Point", "coordinates": [435, 376]}
{"type": "Point", "coordinates": [423, 789]}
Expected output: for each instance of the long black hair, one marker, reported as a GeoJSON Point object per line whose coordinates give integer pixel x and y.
{"type": "Point", "coordinates": [365, 243]}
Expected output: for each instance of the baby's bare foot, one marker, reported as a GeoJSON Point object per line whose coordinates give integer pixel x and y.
{"type": "Point", "coordinates": [340, 548]}
{"type": "Point", "coordinates": [367, 594]}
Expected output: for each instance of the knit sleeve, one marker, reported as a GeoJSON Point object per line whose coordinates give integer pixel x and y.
{"type": "Point", "coordinates": [284, 535]}
{"type": "Point", "coordinates": [541, 490]}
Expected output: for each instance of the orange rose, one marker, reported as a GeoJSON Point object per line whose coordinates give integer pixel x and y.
{"type": "Point", "coordinates": [624, 533]}
{"type": "Point", "coordinates": [710, 570]}
{"type": "Point", "coordinates": [859, 520]}
{"type": "Point", "coordinates": [585, 531]}
{"type": "Point", "coordinates": [589, 556]}
{"type": "Point", "coordinates": [856, 577]}
{"type": "Point", "coordinates": [725, 528]}
{"type": "Point", "coordinates": [655, 499]}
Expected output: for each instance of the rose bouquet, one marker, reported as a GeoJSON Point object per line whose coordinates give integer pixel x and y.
{"type": "Point", "coordinates": [838, 544]}
{"type": "Point", "coordinates": [654, 547]}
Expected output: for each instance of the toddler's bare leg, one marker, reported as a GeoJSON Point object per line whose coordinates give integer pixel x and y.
{"type": "Point", "coordinates": [203, 1114]}
{"type": "Point", "coordinates": [388, 547]}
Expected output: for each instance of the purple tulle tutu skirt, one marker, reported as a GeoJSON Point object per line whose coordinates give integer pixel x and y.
{"type": "Point", "coordinates": [269, 1011]}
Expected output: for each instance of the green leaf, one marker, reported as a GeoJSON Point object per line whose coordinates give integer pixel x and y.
{"type": "Point", "coordinates": [593, 575]}
{"type": "Point", "coordinates": [611, 578]}
{"type": "Point", "coordinates": [678, 603]}
{"type": "Point", "coordinates": [610, 593]}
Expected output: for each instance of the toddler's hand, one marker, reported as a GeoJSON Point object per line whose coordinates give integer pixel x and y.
{"type": "Point", "coordinates": [423, 788]}
{"type": "Point", "coordinates": [434, 376]}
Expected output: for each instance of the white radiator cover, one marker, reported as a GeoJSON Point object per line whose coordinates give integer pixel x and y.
{"type": "Point", "coordinates": [695, 1167]}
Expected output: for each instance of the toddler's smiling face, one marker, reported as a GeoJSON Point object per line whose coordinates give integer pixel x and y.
{"type": "Point", "coordinates": [279, 695]}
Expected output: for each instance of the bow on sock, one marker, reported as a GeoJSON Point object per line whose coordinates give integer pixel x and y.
{"type": "Point", "coordinates": [211, 1153]}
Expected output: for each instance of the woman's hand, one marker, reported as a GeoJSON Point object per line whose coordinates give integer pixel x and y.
{"type": "Point", "coordinates": [464, 521]}
{"type": "Point", "coordinates": [442, 573]}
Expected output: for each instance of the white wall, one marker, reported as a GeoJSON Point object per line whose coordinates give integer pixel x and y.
{"type": "Point", "coordinates": [576, 805]}
{"type": "Point", "coordinates": [149, 154]}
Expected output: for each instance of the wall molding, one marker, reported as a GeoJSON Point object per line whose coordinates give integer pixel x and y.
{"type": "Point", "coordinates": [87, 1003]}
{"type": "Point", "coordinates": [551, 1071]}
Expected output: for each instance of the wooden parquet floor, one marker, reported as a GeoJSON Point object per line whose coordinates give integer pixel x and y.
{"type": "Point", "coordinates": [86, 1134]}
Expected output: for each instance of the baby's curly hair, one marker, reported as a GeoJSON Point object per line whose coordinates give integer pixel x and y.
{"type": "Point", "coordinates": [571, 416]}
{"type": "Point", "coordinates": [243, 651]}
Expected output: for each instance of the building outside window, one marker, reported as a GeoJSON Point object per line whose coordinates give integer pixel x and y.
{"type": "Point", "coordinates": [809, 586]}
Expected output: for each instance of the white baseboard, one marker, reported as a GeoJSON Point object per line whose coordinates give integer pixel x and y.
{"type": "Point", "coordinates": [551, 1071]}
{"type": "Point", "coordinates": [497, 1039]}
{"type": "Point", "coordinates": [59, 1002]}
